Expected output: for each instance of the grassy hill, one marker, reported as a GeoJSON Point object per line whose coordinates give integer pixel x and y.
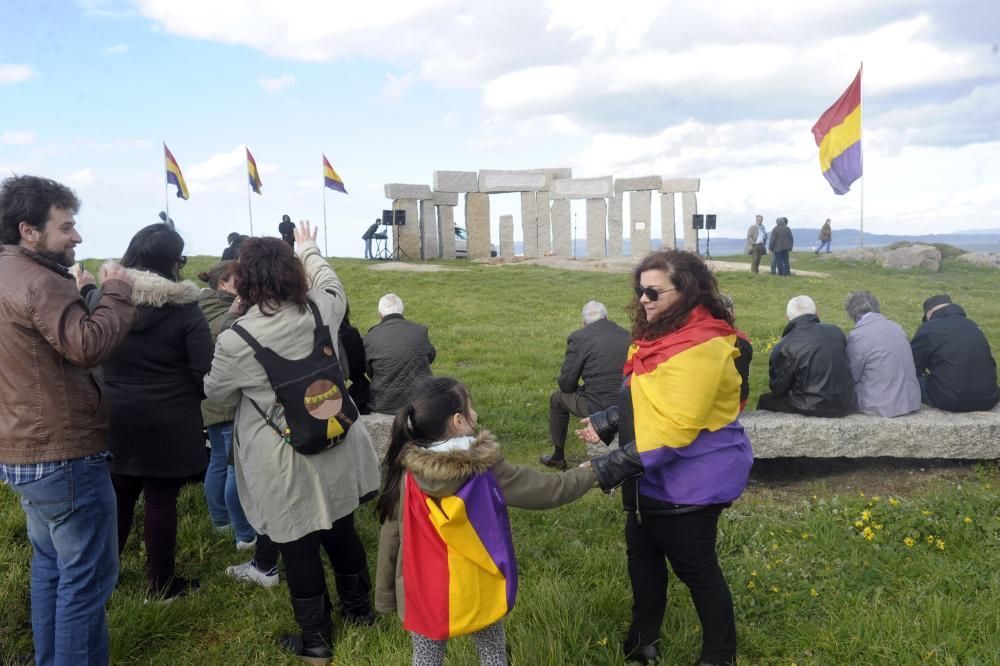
{"type": "Point", "coordinates": [809, 587]}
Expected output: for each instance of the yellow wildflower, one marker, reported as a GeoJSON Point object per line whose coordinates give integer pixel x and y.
{"type": "Point", "coordinates": [877, 526]}
{"type": "Point", "coordinates": [751, 585]}
{"type": "Point", "coordinates": [930, 539]}
{"type": "Point", "coordinates": [868, 533]}
{"type": "Point", "coordinates": [753, 573]}
{"type": "Point", "coordinates": [806, 535]}
{"type": "Point", "coordinates": [866, 515]}
{"type": "Point", "coordinates": [774, 546]}
{"type": "Point", "coordinates": [939, 544]}
{"type": "Point", "coordinates": [893, 501]}
{"type": "Point", "coordinates": [858, 524]}
{"type": "Point", "coordinates": [967, 520]}
{"type": "Point", "coordinates": [813, 592]}
{"type": "Point", "coordinates": [775, 589]}
{"type": "Point", "coordinates": [909, 542]}
{"type": "Point", "coordinates": [875, 498]}
{"type": "Point", "coordinates": [925, 512]}
{"type": "Point", "coordinates": [603, 641]}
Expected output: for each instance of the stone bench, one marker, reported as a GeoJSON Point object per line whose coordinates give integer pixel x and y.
{"type": "Point", "coordinates": [929, 433]}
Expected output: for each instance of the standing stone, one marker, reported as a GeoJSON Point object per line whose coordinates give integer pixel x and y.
{"type": "Point", "coordinates": [544, 223]}
{"type": "Point", "coordinates": [529, 224]}
{"type": "Point", "coordinates": [446, 230]}
{"type": "Point", "coordinates": [615, 244]}
{"type": "Point", "coordinates": [639, 214]}
{"type": "Point", "coordinates": [562, 232]}
{"type": "Point", "coordinates": [477, 224]}
{"type": "Point", "coordinates": [407, 237]}
{"type": "Point", "coordinates": [429, 247]}
{"type": "Point", "coordinates": [597, 222]}
{"type": "Point", "coordinates": [667, 223]}
{"type": "Point", "coordinates": [507, 234]}
{"type": "Point", "coordinates": [689, 206]}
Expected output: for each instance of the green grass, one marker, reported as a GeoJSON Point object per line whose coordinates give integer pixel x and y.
{"type": "Point", "coordinates": [809, 588]}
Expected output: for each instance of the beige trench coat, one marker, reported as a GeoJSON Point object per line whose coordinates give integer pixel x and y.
{"type": "Point", "coordinates": [285, 494]}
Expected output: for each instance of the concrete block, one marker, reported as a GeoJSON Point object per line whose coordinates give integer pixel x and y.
{"type": "Point", "coordinates": [429, 246]}
{"type": "Point", "coordinates": [445, 198]}
{"type": "Point", "coordinates": [597, 224]}
{"type": "Point", "coordinates": [456, 181]}
{"type": "Point", "coordinates": [407, 237]}
{"type": "Point", "coordinates": [529, 224]}
{"type": "Point", "coordinates": [544, 222]}
{"type": "Point", "coordinates": [507, 236]}
{"type": "Point", "coordinates": [638, 184]}
{"type": "Point", "coordinates": [639, 222]}
{"type": "Point", "coordinates": [477, 224]}
{"type": "Point", "coordinates": [525, 180]}
{"type": "Point", "coordinates": [668, 233]}
{"type": "Point", "coordinates": [680, 185]}
{"type": "Point", "coordinates": [562, 229]}
{"type": "Point", "coordinates": [615, 242]}
{"type": "Point", "coordinates": [553, 174]}
{"type": "Point", "coordinates": [582, 188]}
{"type": "Point", "coordinates": [404, 191]}
{"type": "Point", "coordinates": [446, 231]}
{"type": "Point", "coordinates": [689, 206]}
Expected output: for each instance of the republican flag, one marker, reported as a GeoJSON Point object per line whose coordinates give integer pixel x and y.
{"type": "Point", "coordinates": [838, 135]}
{"type": "Point", "coordinates": [252, 171]}
{"type": "Point", "coordinates": [330, 177]}
{"type": "Point", "coordinates": [174, 175]}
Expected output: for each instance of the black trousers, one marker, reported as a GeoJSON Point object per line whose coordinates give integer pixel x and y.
{"type": "Point", "coordinates": [303, 566]}
{"type": "Point", "coordinates": [561, 405]}
{"type": "Point", "coordinates": [159, 525]}
{"type": "Point", "coordinates": [687, 541]}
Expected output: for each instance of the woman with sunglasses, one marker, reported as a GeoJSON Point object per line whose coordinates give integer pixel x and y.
{"type": "Point", "coordinates": [153, 387]}
{"type": "Point", "coordinates": [684, 454]}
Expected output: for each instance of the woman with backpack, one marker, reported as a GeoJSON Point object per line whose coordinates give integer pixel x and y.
{"type": "Point", "coordinates": [304, 502]}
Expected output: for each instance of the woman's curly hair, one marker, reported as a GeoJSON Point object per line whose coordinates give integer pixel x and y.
{"type": "Point", "coordinates": [269, 274]}
{"type": "Point", "coordinates": [695, 284]}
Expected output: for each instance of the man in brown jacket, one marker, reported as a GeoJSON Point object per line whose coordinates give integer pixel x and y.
{"type": "Point", "coordinates": [54, 431]}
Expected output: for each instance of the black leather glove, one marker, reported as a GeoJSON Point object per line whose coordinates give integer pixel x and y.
{"type": "Point", "coordinates": [614, 468]}
{"type": "Point", "coordinates": [605, 424]}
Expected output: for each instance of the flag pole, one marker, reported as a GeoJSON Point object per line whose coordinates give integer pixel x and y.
{"type": "Point", "coordinates": [249, 206]}
{"type": "Point", "coordinates": [861, 95]}
{"type": "Point", "coordinates": [326, 249]}
{"type": "Point", "coordinates": [166, 183]}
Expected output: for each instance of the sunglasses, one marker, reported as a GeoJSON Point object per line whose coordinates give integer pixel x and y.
{"type": "Point", "coordinates": [182, 262]}
{"type": "Point", "coordinates": [650, 293]}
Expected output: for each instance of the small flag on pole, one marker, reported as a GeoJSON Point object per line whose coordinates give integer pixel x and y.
{"type": "Point", "coordinates": [838, 135]}
{"type": "Point", "coordinates": [254, 176]}
{"type": "Point", "coordinates": [330, 177]}
{"type": "Point", "coordinates": [174, 176]}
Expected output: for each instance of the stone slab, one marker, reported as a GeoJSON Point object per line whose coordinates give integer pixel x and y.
{"type": "Point", "coordinates": [928, 433]}
{"type": "Point", "coordinates": [507, 236]}
{"type": "Point", "coordinates": [668, 228]}
{"type": "Point", "coordinates": [680, 185]}
{"type": "Point", "coordinates": [445, 198]}
{"type": "Point", "coordinates": [582, 188]}
{"type": "Point", "coordinates": [615, 227]}
{"type": "Point", "coordinates": [638, 184]}
{"type": "Point", "coordinates": [429, 246]}
{"type": "Point", "coordinates": [525, 180]}
{"type": "Point", "coordinates": [562, 231]}
{"type": "Point", "coordinates": [379, 428]}
{"type": "Point", "coordinates": [405, 191]}
{"type": "Point", "coordinates": [639, 212]}
{"type": "Point", "coordinates": [446, 231]}
{"type": "Point", "coordinates": [456, 181]}
{"type": "Point", "coordinates": [407, 237]}
{"type": "Point", "coordinates": [542, 204]}
{"type": "Point", "coordinates": [553, 174]}
{"type": "Point", "coordinates": [597, 225]}
{"type": "Point", "coordinates": [689, 206]}
{"type": "Point", "coordinates": [477, 224]}
{"type": "Point", "coordinates": [529, 224]}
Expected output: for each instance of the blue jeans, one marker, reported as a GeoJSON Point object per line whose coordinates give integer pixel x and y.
{"type": "Point", "coordinates": [74, 566]}
{"type": "Point", "coordinates": [368, 248]}
{"type": "Point", "coordinates": [781, 261]}
{"type": "Point", "coordinates": [823, 244]}
{"type": "Point", "coordinates": [220, 484]}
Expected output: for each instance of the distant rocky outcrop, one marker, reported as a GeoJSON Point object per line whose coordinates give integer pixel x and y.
{"type": "Point", "coordinates": [985, 259]}
{"type": "Point", "coordinates": [902, 256]}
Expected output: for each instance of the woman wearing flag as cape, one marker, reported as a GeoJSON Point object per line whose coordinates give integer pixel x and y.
{"type": "Point", "coordinates": [684, 454]}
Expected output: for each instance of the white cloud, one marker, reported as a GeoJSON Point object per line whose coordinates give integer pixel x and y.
{"type": "Point", "coordinates": [276, 85]}
{"type": "Point", "coordinates": [117, 49]}
{"type": "Point", "coordinates": [10, 73]}
{"type": "Point", "coordinates": [18, 138]}
{"type": "Point", "coordinates": [395, 87]}
{"type": "Point", "coordinates": [219, 172]}
{"type": "Point", "coordinates": [82, 177]}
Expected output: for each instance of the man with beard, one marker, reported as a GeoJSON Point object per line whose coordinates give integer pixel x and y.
{"type": "Point", "coordinates": [53, 436]}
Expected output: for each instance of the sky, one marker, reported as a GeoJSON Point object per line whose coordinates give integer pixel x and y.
{"type": "Point", "coordinates": [392, 90]}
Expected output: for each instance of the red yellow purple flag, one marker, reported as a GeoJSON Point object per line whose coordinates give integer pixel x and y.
{"type": "Point", "coordinates": [254, 176]}
{"type": "Point", "coordinates": [330, 177]}
{"type": "Point", "coordinates": [838, 135]}
{"type": "Point", "coordinates": [174, 176]}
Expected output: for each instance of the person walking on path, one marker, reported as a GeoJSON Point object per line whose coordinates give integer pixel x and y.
{"type": "Point", "coordinates": [825, 237]}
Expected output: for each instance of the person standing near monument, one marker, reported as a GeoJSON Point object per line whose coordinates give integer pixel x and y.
{"type": "Point", "coordinates": [287, 231]}
{"type": "Point", "coordinates": [781, 245]}
{"type": "Point", "coordinates": [825, 236]}
{"type": "Point", "coordinates": [53, 441]}
{"type": "Point", "coordinates": [367, 238]}
{"type": "Point", "coordinates": [756, 243]}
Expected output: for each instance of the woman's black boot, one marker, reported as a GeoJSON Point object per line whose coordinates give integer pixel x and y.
{"type": "Point", "coordinates": [315, 644]}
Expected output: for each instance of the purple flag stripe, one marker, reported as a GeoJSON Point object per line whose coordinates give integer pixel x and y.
{"type": "Point", "coordinates": [487, 511]}
{"type": "Point", "coordinates": [845, 168]}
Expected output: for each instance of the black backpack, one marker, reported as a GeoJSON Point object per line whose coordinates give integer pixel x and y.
{"type": "Point", "coordinates": [318, 409]}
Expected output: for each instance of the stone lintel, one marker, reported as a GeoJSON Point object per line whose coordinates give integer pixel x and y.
{"type": "Point", "coordinates": [406, 191]}
{"type": "Point", "coordinates": [638, 184]}
{"type": "Point", "coordinates": [445, 198]}
{"type": "Point", "coordinates": [456, 181]}
{"type": "Point", "coordinates": [680, 185]}
{"type": "Point", "coordinates": [582, 188]}
{"type": "Point", "coordinates": [525, 180]}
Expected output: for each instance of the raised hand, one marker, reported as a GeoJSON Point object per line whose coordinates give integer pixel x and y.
{"type": "Point", "coordinates": [587, 432]}
{"type": "Point", "coordinates": [112, 271]}
{"type": "Point", "coordinates": [305, 232]}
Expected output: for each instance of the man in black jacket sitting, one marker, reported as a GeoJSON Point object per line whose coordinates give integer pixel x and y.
{"type": "Point", "coordinates": [596, 353]}
{"type": "Point", "coordinates": [809, 371]}
{"type": "Point", "coordinates": [954, 362]}
{"type": "Point", "coordinates": [398, 354]}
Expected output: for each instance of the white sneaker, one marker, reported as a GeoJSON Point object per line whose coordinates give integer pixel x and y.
{"type": "Point", "coordinates": [250, 573]}
{"type": "Point", "coordinates": [246, 545]}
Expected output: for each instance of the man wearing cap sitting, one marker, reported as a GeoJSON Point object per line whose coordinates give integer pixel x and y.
{"type": "Point", "coordinates": [953, 359]}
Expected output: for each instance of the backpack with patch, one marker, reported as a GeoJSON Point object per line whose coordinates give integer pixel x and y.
{"type": "Point", "coordinates": [318, 409]}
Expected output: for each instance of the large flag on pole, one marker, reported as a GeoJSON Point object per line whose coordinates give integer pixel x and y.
{"type": "Point", "coordinates": [254, 176]}
{"type": "Point", "coordinates": [838, 135]}
{"type": "Point", "coordinates": [174, 176]}
{"type": "Point", "coordinates": [330, 177]}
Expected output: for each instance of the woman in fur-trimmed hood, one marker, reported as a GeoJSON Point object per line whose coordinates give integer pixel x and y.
{"type": "Point", "coordinates": [443, 509]}
{"type": "Point", "coordinates": [153, 386]}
